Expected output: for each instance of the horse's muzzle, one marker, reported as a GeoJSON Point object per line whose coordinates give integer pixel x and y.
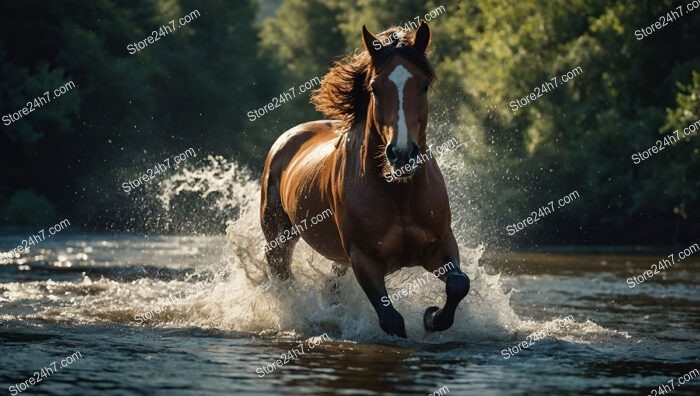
{"type": "Point", "coordinates": [403, 159]}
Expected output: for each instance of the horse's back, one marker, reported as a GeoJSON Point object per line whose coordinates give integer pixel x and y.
{"type": "Point", "coordinates": [302, 139]}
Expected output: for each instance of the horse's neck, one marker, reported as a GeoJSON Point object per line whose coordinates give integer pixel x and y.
{"type": "Point", "coordinates": [361, 150]}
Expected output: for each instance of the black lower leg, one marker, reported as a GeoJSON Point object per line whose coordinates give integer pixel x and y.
{"type": "Point", "coordinates": [391, 321]}
{"type": "Point", "coordinates": [456, 287]}
{"type": "Point", "coordinates": [371, 278]}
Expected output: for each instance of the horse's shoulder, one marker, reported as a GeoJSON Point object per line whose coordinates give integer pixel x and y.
{"type": "Point", "coordinates": [311, 140]}
{"type": "Point", "coordinates": [319, 126]}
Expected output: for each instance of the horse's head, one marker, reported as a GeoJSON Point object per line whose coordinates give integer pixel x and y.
{"type": "Point", "coordinates": [398, 105]}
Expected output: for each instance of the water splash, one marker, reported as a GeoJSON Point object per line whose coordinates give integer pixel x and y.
{"type": "Point", "coordinates": [228, 182]}
{"type": "Point", "coordinates": [230, 289]}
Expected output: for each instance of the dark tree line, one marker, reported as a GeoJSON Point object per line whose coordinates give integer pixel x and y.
{"type": "Point", "coordinates": [193, 87]}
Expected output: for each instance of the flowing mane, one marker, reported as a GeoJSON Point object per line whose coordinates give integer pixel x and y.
{"type": "Point", "coordinates": [344, 91]}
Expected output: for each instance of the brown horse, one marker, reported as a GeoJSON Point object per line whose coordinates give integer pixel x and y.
{"type": "Point", "coordinates": [387, 212]}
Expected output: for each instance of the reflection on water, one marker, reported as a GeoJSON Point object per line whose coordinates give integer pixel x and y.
{"type": "Point", "coordinates": [198, 315]}
{"type": "Point", "coordinates": [213, 318]}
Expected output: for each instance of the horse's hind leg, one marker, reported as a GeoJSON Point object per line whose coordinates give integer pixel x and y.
{"type": "Point", "coordinates": [277, 228]}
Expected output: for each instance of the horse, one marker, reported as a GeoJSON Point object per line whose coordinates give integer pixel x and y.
{"type": "Point", "coordinates": [386, 212]}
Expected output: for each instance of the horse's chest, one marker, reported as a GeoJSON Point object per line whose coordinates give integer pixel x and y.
{"type": "Point", "coordinates": [407, 240]}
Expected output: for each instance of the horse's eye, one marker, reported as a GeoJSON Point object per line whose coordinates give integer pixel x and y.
{"type": "Point", "coordinates": [425, 88]}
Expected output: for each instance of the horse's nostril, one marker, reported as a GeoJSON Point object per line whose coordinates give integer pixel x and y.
{"type": "Point", "coordinates": [391, 153]}
{"type": "Point", "coordinates": [415, 150]}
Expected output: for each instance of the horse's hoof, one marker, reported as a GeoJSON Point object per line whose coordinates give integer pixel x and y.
{"type": "Point", "coordinates": [429, 317]}
{"type": "Point", "coordinates": [393, 324]}
{"type": "Point", "coordinates": [398, 330]}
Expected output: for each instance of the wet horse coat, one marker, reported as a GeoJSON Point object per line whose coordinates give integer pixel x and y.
{"type": "Point", "coordinates": [379, 100]}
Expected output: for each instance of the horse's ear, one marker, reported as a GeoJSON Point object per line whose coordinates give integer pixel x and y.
{"type": "Point", "coordinates": [422, 37]}
{"type": "Point", "coordinates": [372, 45]}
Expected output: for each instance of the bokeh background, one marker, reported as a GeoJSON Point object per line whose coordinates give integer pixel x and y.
{"type": "Point", "coordinates": [194, 87]}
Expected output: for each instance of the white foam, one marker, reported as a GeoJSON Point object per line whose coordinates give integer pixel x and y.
{"type": "Point", "coordinates": [232, 291]}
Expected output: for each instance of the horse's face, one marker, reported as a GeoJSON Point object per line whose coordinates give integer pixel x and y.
{"type": "Point", "coordinates": [400, 110]}
{"type": "Point", "coordinates": [399, 105]}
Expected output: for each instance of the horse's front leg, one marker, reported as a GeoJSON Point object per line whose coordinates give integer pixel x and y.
{"type": "Point", "coordinates": [445, 265]}
{"type": "Point", "coordinates": [370, 276]}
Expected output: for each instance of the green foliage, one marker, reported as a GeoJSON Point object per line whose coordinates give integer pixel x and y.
{"type": "Point", "coordinates": [681, 175]}
{"type": "Point", "coordinates": [197, 84]}
{"type": "Point", "coordinates": [28, 207]}
{"type": "Point", "coordinates": [303, 38]}
{"type": "Point", "coordinates": [688, 105]}
{"type": "Point", "coordinates": [190, 88]}
{"type": "Point", "coordinates": [21, 86]}
{"type": "Point", "coordinates": [581, 135]}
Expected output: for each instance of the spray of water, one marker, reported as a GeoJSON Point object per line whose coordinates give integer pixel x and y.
{"type": "Point", "coordinates": [232, 290]}
{"type": "Point", "coordinates": [244, 298]}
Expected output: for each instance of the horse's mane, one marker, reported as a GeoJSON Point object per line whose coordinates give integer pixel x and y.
{"type": "Point", "coordinates": [344, 92]}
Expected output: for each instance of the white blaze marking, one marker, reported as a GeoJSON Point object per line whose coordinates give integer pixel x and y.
{"type": "Point", "coordinates": [399, 77]}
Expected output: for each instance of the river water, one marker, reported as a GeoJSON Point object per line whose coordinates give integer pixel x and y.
{"type": "Point", "coordinates": [178, 315]}
{"type": "Point", "coordinates": [120, 314]}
